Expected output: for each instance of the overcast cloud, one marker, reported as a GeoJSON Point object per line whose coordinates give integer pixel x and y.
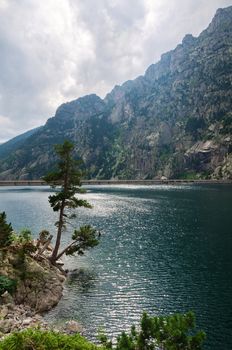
{"type": "Point", "coordinates": [53, 51]}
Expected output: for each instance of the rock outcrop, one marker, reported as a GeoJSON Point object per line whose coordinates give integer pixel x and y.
{"type": "Point", "coordinates": [43, 289]}
{"type": "Point", "coordinates": [39, 284]}
{"type": "Point", "coordinates": [38, 287]}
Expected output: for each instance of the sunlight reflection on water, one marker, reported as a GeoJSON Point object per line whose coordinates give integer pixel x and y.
{"type": "Point", "coordinates": [163, 249]}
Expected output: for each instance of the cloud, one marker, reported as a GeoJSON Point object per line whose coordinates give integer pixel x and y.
{"type": "Point", "coordinates": [58, 50]}
{"type": "Point", "coordinates": [7, 127]}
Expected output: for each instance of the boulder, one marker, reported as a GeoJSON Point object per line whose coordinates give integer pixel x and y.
{"type": "Point", "coordinates": [73, 327]}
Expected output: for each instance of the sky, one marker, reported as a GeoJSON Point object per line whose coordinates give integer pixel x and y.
{"type": "Point", "coordinates": [54, 51]}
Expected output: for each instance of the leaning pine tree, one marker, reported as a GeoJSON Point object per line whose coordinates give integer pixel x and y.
{"type": "Point", "coordinates": [67, 177]}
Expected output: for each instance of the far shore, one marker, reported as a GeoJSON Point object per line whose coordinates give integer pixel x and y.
{"type": "Point", "coordinates": [122, 182]}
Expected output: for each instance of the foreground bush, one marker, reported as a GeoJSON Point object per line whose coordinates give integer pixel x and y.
{"type": "Point", "coordinates": [174, 332]}
{"type": "Point", "coordinates": [155, 333]}
{"type": "Point", "coordinates": [35, 339]}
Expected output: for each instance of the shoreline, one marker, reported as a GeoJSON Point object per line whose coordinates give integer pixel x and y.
{"type": "Point", "coordinates": [121, 182]}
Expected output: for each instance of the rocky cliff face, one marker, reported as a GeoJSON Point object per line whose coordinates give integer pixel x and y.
{"type": "Point", "coordinates": [175, 121]}
{"type": "Point", "coordinates": [39, 284]}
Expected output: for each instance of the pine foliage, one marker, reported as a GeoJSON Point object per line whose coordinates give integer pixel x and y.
{"type": "Point", "coordinates": [174, 332]}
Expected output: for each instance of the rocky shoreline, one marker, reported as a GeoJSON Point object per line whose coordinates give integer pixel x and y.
{"type": "Point", "coordinates": [17, 317]}
{"type": "Point", "coordinates": [39, 287]}
{"type": "Point", "coordinates": [20, 317]}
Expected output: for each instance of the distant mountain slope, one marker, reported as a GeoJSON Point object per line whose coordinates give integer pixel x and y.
{"type": "Point", "coordinates": [16, 142]}
{"type": "Point", "coordinates": [175, 121]}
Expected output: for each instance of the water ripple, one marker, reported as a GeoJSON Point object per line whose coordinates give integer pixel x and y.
{"type": "Point", "coordinates": [163, 249]}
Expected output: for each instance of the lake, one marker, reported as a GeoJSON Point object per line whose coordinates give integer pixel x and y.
{"type": "Point", "coordinates": [163, 249]}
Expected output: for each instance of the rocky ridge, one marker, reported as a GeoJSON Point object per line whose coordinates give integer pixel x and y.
{"type": "Point", "coordinates": [174, 121]}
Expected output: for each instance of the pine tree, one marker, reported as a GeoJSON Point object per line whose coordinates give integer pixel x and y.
{"type": "Point", "coordinates": [5, 231]}
{"type": "Point", "coordinates": [174, 332]}
{"type": "Point", "coordinates": [68, 175]}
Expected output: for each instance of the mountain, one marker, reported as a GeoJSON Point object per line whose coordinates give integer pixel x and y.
{"type": "Point", "coordinates": [15, 143]}
{"type": "Point", "coordinates": [174, 121]}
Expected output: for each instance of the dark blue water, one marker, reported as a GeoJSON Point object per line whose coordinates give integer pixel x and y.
{"type": "Point", "coordinates": [163, 249]}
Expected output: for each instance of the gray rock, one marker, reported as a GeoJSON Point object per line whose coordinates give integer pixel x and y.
{"type": "Point", "coordinates": [73, 327]}
{"type": "Point", "coordinates": [27, 321]}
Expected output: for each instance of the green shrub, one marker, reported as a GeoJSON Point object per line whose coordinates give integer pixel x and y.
{"type": "Point", "coordinates": [36, 339]}
{"type": "Point", "coordinates": [7, 284]}
{"type": "Point", "coordinates": [24, 247]}
{"type": "Point", "coordinates": [174, 332]}
{"type": "Point", "coordinates": [5, 231]}
{"type": "Point", "coordinates": [25, 236]}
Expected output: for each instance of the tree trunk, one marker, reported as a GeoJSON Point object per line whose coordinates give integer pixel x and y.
{"type": "Point", "coordinates": [53, 257]}
{"type": "Point", "coordinates": [61, 221]}
{"type": "Point", "coordinates": [64, 250]}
